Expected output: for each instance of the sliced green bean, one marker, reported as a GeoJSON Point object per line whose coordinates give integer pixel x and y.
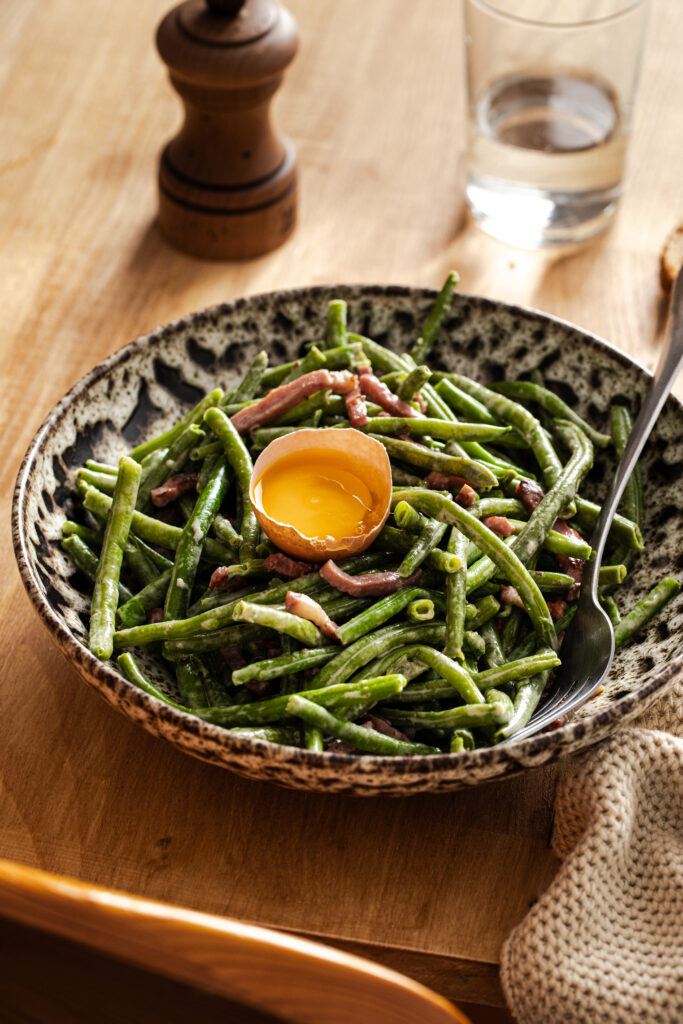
{"type": "Point", "coordinates": [456, 596]}
{"type": "Point", "coordinates": [138, 606]}
{"type": "Point", "coordinates": [283, 622]}
{"type": "Point", "coordinates": [249, 387]}
{"type": "Point", "coordinates": [444, 430]}
{"type": "Point", "coordinates": [527, 391]}
{"type": "Point", "coordinates": [335, 327]}
{"type": "Point", "coordinates": [168, 437]}
{"type": "Point", "coordinates": [405, 451]}
{"type": "Point", "coordinates": [367, 740]}
{"type": "Point", "coordinates": [85, 559]}
{"type": "Point", "coordinates": [105, 596]}
{"type": "Point", "coordinates": [523, 668]}
{"type": "Point", "coordinates": [646, 608]}
{"type": "Point", "coordinates": [437, 315]}
{"type": "Point", "coordinates": [240, 460]}
{"type": "Point", "coordinates": [131, 671]}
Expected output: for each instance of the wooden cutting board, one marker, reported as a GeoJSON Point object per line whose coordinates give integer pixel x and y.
{"type": "Point", "coordinates": [374, 103]}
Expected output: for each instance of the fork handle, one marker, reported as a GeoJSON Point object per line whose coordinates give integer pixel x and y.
{"type": "Point", "coordinates": [668, 365]}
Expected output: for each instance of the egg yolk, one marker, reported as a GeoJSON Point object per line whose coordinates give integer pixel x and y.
{"type": "Point", "coordinates": [318, 492]}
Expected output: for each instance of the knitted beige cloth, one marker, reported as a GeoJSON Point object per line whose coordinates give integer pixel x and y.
{"type": "Point", "coordinates": [604, 944]}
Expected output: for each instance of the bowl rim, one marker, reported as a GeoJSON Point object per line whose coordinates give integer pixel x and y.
{"type": "Point", "coordinates": [116, 689]}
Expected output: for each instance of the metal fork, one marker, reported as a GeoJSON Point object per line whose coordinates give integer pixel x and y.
{"type": "Point", "coordinates": [588, 647]}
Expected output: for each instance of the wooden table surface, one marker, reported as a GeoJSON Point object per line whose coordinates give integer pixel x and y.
{"type": "Point", "coordinates": [375, 105]}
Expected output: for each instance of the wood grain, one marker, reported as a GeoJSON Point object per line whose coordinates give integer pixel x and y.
{"type": "Point", "coordinates": [301, 981]}
{"type": "Point", "coordinates": [374, 103]}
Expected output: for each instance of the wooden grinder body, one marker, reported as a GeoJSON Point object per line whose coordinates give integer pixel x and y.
{"type": "Point", "coordinates": [228, 179]}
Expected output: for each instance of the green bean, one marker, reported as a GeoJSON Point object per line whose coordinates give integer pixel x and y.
{"type": "Point", "coordinates": [101, 467]}
{"type": "Point", "coordinates": [474, 643]}
{"type": "Point", "coordinates": [85, 559]}
{"type": "Point", "coordinates": [203, 451]}
{"type": "Point", "coordinates": [405, 451]}
{"type": "Point", "coordinates": [623, 531]}
{"type": "Point", "coordinates": [420, 610]}
{"type": "Point", "coordinates": [473, 716]}
{"type": "Point", "coordinates": [493, 651]}
{"type": "Point", "coordinates": [633, 501]}
{"type": "Point", "coordinates": [168, 437]}
{"type": "Point", "coordinates": [191, 544]}
{"type": "Point", "coordinates": [487, 608]}
{"type": "Point", "coordinates": [525, 390]}
{"type": "Point", "coordinates": [137, 561]}
{"type": "Point", "coordinates": [497, 507]}
{"type": "Point", "coordinates": [203, 643]}
{"type": "Point", "coordinates": [240, 460]}
{"type": "Point", "coordinates": [153, 530]}
{"type": "Point", "coordinates": [282, 621]}
{"type": "Point", "coordinates": [502, 701]}
{"type": "Point", "coordinates": [378, 613]}
{"type": "Point", "coordinates": [190, 682]}
{"type": "Point", "coordinates": [518, 417]}
{"type": "Point", "coordinates": [527, 697]}
{"type": "Point", "coordinates": [610, 606]}
{"type": "Point", "coordinates": [313, 360]}
{"type": "Point", "coordinates": [397, 540]}
{"type": "Point", "coordinates": [334, 698]}
{"type": "Point", "coordinates": [511, 629]}
{"type": "Point", "coordinates": [252, 382]}
{"type": "Point", "coordinates": [442, 429]}
{"type": "Point", "coordinates": [368, 740]}
{"type": "Point", "coordinates": [436, 317]}
{"type": "Point", "coordinates": [551, 581]}
{"type": "Point", "coordinates": [426, 541]}
{"type": "Point", "coordinates": [456, 588]}
{"type": "Point", "coordinates": [158, 560]}
{"type": "Point", "coordinates": [335, 327]}
{"type": "Point", "coordinates": [284, 735]}
{"type": "Point", "coordinates": [646, 608]}
{"type": "Point", "coordinates": [284, 665]}
{"type": "Point", "coordinates": [106, 589]}
{"type": "Point", "coordinates": [91, 537]}
{"type": "Point", "coordinates": [612, 575]}
{"type": "Point", "coordinates": [103, 481]}
{"type": "Point", "coordinates": [137, 607]}
{"type": "Point", "coordinates": [157, 470]}
{"type": "Point", "coordinates": [457, 677]}
{"type": "Point", "coordinates": [540, 662]}
{"type": "Point", "coordinates": [439, 507]}
{"type": "Point", "coordinates": [226, 532]}
{"type": "Point", "coordinates": [352, 658]}
{"type": "Point", "coordinates": [464, 404]}
{"type": "Point", "coordinates": [273, 377]}
{"type": "Point", "coordinates": [410, 386]}
{"type": "Point", "coordinates": [130, 670]}
{"type": "Point", "coordinates": [462, 739]}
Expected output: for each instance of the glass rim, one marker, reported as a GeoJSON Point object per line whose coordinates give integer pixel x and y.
{"type": "Point", "coordinates": [490, 7]}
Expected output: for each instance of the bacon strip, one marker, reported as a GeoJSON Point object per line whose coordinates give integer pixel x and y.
{"type": "Point", "coordinates": [444, 481]}
{"type": "Point", "coordinates": [281, 400]}
{"type": "Point", "coordinates": [174, 488]}
{"type": "Point", "coordinates": [500, 525]}
{"type": "Point", "coordinates": [509, 595]}
{"type": "Point", "coordinates": [285, 566]}
{"type": "Point", "coordinates": [356, 407]}
{"type": "Point", "coordinates": [557, 608]}
{"type": "Point", "coordinates": [373, 388]}
{"type": "Point", "coordinates": [306, 608]}
{"type": "Point", "coordinates": [372, 584]}
{"type": "Point", "coordinates": [466, 496]}
{"type": "Point", "coordinates": [530, 495]}
{"type": "Point", "coordinates": [222, 580]}
{"type": "Point", "coordinates": [381, 725]}
{"type": "Point", "coordinates": [155, 615]}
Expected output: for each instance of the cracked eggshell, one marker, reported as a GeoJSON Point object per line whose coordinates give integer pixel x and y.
{"type": "Point", "coordinates": [372, 463]}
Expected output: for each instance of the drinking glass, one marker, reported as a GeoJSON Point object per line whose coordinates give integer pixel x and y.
{"type": "Point", "coordinates": [551, 86]}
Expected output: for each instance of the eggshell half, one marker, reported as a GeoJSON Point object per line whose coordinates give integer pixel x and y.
{"type": "Point", "coordinates": [372, 463]}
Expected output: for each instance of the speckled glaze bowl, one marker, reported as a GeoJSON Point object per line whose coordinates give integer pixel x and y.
{"type": "Point", "coordinates": [146, 386]}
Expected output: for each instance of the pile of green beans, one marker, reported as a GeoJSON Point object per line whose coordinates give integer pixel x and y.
{"type": "Point", "coordinates": [456, 659]}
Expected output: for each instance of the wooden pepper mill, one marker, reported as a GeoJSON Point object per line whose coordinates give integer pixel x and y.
{"type": "Point", "coordinates": [228, 180]}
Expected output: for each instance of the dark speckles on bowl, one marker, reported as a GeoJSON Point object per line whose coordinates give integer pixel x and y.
{"type": "Point", "coordinates": [142, 389]}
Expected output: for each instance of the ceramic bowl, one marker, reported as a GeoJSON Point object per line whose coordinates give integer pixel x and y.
{"type": "Point", "coordinates": [146, 386]}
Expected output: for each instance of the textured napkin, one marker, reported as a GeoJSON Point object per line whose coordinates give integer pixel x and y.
{"type": "Point", "coordinates": [605, 942]}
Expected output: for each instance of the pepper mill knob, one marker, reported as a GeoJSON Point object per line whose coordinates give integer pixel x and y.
{"type": "Point", "coordinates": [227, 180]}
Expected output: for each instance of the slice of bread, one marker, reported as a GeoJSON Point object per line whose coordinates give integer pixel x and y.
{"type": "Point", "coordinates": [671, 258]}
